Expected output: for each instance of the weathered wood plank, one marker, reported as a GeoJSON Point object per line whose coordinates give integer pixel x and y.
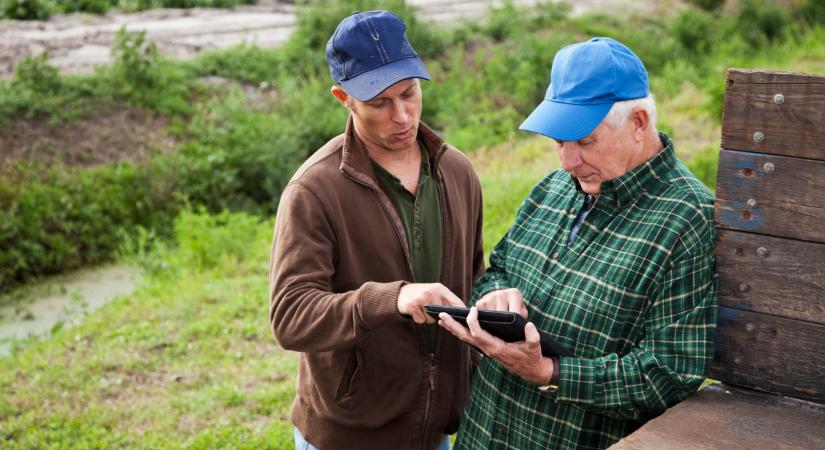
{"type": "Point", "coordinates": [770, 353]}
{"type": "Point", "coordinates": [793, 125]}
{"type": "Point", "coordinates": [724, 417]}
{"type": "Point", "coordinates": [785, 278]}
{"type": "Point", "coordinates": [773, 195]}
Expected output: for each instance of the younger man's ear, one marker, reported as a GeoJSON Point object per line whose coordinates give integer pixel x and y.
{"type": "Point", "coordinates": [340, 94]}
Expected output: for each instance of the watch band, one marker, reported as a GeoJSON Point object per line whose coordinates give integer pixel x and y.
{"type": "Point", "coordinates": [553, 384]}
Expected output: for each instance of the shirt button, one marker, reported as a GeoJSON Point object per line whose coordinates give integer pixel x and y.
{"type": "Point", "coordinates": [573, 210]}
{"type": "Point", "coordinates": [556, 255]}
{"type": "Point", "coordinates": [508, 387]}
{"type": "Point", "coordinates": [499, 430]}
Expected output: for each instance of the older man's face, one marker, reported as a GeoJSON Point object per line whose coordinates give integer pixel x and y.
{"type": "Point", "coordinates": [390, 120]}
{"type": "Point", "coordinates": [606, 154]}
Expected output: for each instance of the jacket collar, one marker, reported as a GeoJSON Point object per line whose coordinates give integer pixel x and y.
{"type": "Point", "coordinates": [628, 187]}
{"type": "Point", "coordinates": [356, 163]}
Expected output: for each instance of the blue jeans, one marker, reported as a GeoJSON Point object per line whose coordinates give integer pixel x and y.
{"type": "Point", "coordinates": [302, 444]}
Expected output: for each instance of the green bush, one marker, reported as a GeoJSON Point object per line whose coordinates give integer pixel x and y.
{"type": "Point", "coordinates": [813, 12]}
{"type": "Point", "coordinates": [36, 89]}
{"type": "Point", "coordinates": [694, 30]}
{"type": "Point", "coordinates": [708, 5]}
{"type": "Point", "coordinates": [243, 158]}
{"type": "Point", "coordinates": [53, 220]}
{"type": "Point", "coordinates": [139, 76]}
{"type": "Point", "coordinates": [25, 9]}
{"type": "Point", "coordinates": [762, 22]}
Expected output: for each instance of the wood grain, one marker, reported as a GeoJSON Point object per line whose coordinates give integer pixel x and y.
{"type": "Point", "coordinates": [794, 127]}
{"type": "Point", "coordinates": [788, 201]}
{"type": "Point", "coordinates": [771, 354]}
{"type": "Point", "coordinates": [788, 280]}
{"type": "Point", "coordinates": [724, 417]}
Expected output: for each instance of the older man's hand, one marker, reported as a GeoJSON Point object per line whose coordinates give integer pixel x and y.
{"type": "Point", "coordinates": [522, 358]}
{"type": "Point", "coordinates": [503, 300]}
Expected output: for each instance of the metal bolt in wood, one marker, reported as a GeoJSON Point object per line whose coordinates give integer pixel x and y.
{"type": "Point", "coordinates": [762, 252]}
{"type": "Point", "coordinates": [768, 167]}
{"type": "Point", "coordinates": [750, 326]}
{"type": "Point", "coordinates": [752, 203]}
{"type": "Point", "coordinates": [758, 136]}
{"type": "Point", "coordinates": [779, 99]}
{"type": "Point", "coordinates": [744, 287]}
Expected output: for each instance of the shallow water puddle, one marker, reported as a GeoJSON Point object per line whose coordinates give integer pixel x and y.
{"type": "Point", "coordinates": [63, 301]}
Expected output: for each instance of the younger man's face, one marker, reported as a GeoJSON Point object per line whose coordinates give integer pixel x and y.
{"type": "Point", "coordinates": [390, 120]}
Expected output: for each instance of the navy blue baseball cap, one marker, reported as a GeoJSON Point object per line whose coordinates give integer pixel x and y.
{"type": "Point", "coordinates": [586, 80]}
{"type": "Point", "coordinates": [369, 52]}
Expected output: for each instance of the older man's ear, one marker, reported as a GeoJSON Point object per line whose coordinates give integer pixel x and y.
{"type": "Point", "coordinates": [641, 124]}
{"type": "Point", "coordinates": [341, 95]}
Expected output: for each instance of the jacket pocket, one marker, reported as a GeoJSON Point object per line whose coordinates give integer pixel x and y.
{"type": "Point", "coordinates": [353, 369]}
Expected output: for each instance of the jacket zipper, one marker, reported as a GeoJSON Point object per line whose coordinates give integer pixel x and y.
{"type": "Point", "coordinates": [431, 370]}
{"type": "Point", "coordinates": [431, 380]}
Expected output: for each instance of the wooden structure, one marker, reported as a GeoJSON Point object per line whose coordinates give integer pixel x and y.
{"type": "Point", "coordinates": [770, 216]}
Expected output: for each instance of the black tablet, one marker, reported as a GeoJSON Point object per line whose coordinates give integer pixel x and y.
{"type": "Point", "coordinates": [507, 326]}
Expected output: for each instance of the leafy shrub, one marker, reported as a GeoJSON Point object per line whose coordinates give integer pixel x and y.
{"type": "Point", "coordinates": [242, 62]}
{"type": "Point", "coordinates": [813, 12]}
{"type": "Point", "coordinates": [140, 76]}
{"type": "Point", "coordinates": [88, 6]}
{"type": "Point", "coordinates": [54, 220]}
{"type": "Point", "coordinates": [761, 22]}
{"type": "Point", "coordinates": [694, 30]}
{"type": "Point", "coordinates": [26, 9]}
{"type": "Point", "coordinates": [242, 158]}
{"type": "Point", "coordinates": [708, 5]}
{"type": "Point", "coordinates": [37, 89]}
{"type": "Point", "coordinates": [204, 240]}
{"type": "Point", "coordinates": [36, 74]}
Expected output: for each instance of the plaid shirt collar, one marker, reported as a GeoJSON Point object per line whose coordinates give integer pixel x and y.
{"type": "Point", "coordinates": [625, 189]}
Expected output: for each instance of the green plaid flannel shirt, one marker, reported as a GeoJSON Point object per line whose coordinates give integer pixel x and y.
{"type": "Point", "coordinates": [633, 296]}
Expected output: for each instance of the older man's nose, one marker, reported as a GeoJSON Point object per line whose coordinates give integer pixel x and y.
{"type": "Point", "coordinates": [570, 156]}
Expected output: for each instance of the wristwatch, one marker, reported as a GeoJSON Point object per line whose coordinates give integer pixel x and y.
{"type": "Point", "coordinates": [553, 384]}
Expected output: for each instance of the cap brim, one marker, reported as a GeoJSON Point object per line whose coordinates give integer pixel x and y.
{"type": "Point", "coordinates": [369, 84]}
{"type": "Point", "coordinates": [565, 121]}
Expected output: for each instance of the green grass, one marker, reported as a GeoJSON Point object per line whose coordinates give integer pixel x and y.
{"type": "Point", "coordinates": [187, 361]}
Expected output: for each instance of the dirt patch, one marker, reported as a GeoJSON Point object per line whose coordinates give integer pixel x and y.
{"type": "Point", "coordinates": [113, 133]}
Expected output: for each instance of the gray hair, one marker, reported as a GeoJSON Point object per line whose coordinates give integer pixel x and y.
{"type": "Point", "coordinates": [621, 110]}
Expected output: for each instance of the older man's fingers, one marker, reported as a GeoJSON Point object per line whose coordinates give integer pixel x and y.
{"type": "Point", "coordinates": [531, 334]}
{"type": "Point", "coordinates": [451, 325]}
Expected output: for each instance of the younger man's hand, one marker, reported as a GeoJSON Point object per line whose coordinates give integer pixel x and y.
{"type": "Point", "coordinates": [413, 297]}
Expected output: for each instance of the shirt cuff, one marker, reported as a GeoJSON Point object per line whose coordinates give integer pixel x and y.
{"type": "Point", "coordinates": [554, 380]}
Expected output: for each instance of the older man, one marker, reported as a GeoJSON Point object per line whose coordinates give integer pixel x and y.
{"type": "Point", "coordinates": [612, 256]}
{"type": "Point", "coordinates": [380, 221]}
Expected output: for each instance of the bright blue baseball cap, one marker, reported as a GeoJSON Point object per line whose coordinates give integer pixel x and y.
{"type": "Point", "coordinates": [585, 81]}
{"type": "Point", "coordinates": [369, 52]}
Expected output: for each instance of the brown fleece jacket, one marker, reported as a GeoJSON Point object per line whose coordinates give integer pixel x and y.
{"type": "Point", "coordinates": [339, 258]}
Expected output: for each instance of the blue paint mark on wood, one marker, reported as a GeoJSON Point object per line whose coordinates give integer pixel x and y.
{"type": "Point", "coordinates": [739, 216]}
